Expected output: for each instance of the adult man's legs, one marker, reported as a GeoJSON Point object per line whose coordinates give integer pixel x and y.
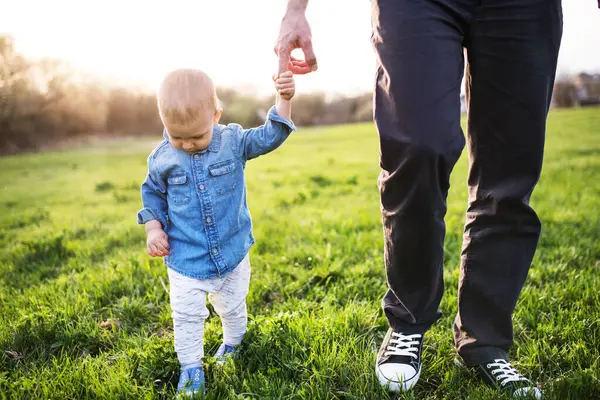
{"type": "Point", "coordinates": [419, 47]}
{"type": "Point", "coordinates": [512, 53]}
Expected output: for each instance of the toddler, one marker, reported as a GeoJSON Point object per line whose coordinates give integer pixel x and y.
{"type": "Point", "coordinates": [195, 211]}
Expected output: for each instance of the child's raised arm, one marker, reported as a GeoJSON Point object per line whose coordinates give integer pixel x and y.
{"type": "Point", "coordinates": [286, 89]}
{"type": "Point", "coordinates": [276, 129]}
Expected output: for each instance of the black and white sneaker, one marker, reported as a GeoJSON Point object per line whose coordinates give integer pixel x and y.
{"type": "Point", "coordinates": [500, 374]}
{"type": "Point", "coordinates": [398, 365]}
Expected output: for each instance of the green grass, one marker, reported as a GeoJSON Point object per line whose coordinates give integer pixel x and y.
{"type": "Point", "coordinates": [84, 311]}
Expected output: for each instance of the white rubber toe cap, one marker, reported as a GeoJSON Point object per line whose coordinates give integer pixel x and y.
{"type": "Point", "coordinates": [531, 392]}
{"type": "Point", "coordinates": [397, 377]}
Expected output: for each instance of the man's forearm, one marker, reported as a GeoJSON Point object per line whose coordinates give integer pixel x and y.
{"type": "Point", "coordinates": [295, 6]}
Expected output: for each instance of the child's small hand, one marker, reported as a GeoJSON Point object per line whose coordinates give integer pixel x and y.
{"type": "Point", "coordinates": [157, 243]}
{"type": "Point", "coordinates": [284, 83]}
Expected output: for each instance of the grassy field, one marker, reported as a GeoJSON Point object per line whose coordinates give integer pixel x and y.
{"type": "Point", "coordinates": [84, 311]}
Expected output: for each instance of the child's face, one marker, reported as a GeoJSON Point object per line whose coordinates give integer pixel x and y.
{"type": "Point", "coordinates": [196, 137]}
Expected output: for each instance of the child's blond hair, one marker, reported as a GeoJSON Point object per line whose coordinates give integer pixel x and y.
{"type": "Point", "coordinates": [184, 95]}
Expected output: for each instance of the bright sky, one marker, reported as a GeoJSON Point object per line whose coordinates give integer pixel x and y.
{"type": "Point", "coordinates": [135, 42]}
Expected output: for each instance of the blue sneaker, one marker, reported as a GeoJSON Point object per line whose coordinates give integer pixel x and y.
{"type": "Point", "coordinates": [225, 352]}
{"type": "Point", "coordinates": [191, 380]}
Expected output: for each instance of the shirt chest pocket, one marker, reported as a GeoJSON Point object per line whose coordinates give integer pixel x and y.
{"type": "Point", "coordinates": [179, 190]}
{"type": "Point", "coordinates": [224, 176]}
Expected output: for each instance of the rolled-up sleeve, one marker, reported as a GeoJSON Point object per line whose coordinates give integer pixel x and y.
{"type": "Point", "coordinates": [154, 197]}
{"type": "Point", "coordinates": [267, 137]}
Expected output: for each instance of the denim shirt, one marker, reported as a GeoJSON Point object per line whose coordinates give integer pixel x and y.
{"type": "Point", "coordinates": [200, 199]}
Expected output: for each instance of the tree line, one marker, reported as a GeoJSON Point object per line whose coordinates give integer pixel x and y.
{"type": "Point", "coordinates": [43, 102]}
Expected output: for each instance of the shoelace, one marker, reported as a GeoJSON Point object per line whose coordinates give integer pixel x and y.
{"type": "Point", "coordinates": [183, 378]}
{"type": "Point", "coordinates": [197, 375]}
{"type": "Point", "coordinates": [504, 372]}
{"type": "Point", "coordinates": [403, 345]}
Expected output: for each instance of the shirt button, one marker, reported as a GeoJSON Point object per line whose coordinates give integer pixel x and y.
{"type": "Point", "coordinates": [201, 186]}
{"type": "Point", "coordinates": [208, 220]}
{"type": "Point", "coordinates": [196, 156]}
{"type": "Point", "coordinates": [215, 250]}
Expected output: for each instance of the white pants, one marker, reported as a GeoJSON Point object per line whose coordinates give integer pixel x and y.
{"type": "Point", "coordinates": [188, 303]}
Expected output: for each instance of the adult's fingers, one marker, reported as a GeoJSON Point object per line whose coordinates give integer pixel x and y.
{"type": "Point", "coordinates": [309, 54]}
{"type": "Point", "coordinates": [287, 62]}
{"type": "Point", "coordinates": [284, 59]}
{"type": "Point", "coordinates": [299, 68]}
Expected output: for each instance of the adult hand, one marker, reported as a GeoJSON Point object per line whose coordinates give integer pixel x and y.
{"type": "Point", "coordinates": [295, 33]}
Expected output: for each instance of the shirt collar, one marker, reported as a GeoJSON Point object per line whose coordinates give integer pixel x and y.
{"type": "Point", "coordinates": [215, 143]}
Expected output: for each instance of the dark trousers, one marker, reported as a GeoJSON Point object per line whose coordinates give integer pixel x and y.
{"type": "Point", "coordinates": [512, 48]}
